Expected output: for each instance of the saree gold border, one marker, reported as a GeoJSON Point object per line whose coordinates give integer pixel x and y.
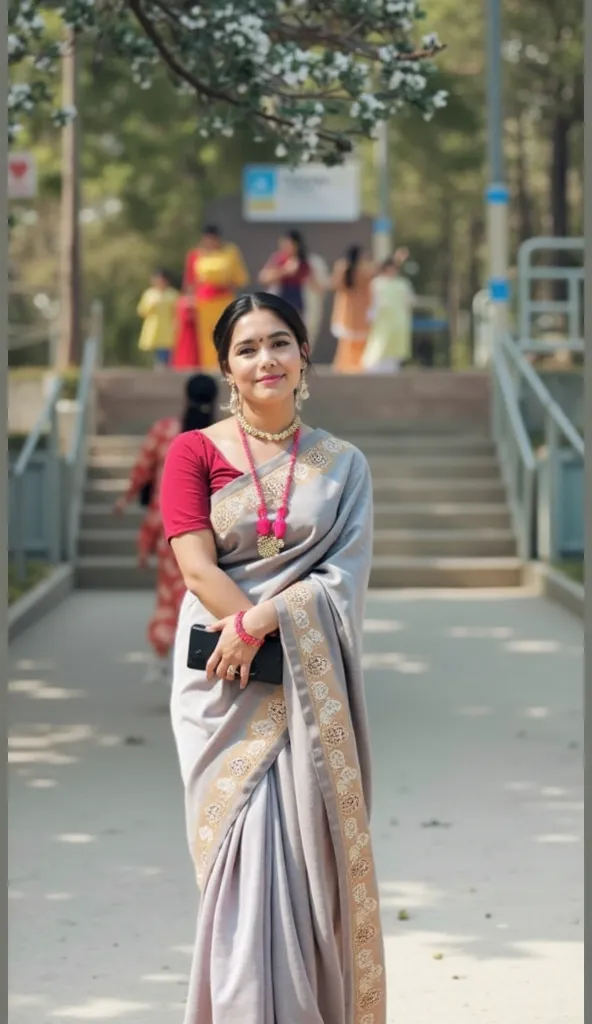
{"type": "Point", "coordinates": [335, 728]}
{"type": "Point", "coordinates": [234, 772]}
{"type": "Point", "coordinates": [309, 464]}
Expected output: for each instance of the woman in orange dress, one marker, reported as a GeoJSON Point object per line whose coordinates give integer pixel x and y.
{"type": "Point", "coordinates": [144, 484]}
{"type": "Point", "coordinates": [351, 283]}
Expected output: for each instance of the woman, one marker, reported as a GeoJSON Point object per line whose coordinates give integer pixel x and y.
{"type": "Point", "coordinates": [185, 351]}
{"type": "Point", "coordinates": [351, 282]}
{"type": "Point", "coordinates": [271, 523]}
{"type": "Point", "coordinates": [144, 483]}
{"type": "Point", "coordinates": [157, 309]}
{"type": "Point", "coordinates": [214, 272]}
{"type": "Point", "coordinates": [288, 273]}
{"type": "Point", "coordinates": [390, 336]}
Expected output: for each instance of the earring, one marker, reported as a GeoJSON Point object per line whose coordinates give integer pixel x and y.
{"type": "Point", "coordinates": [302, 391]}
{"type": "Point", "coordinates": [234, 403]}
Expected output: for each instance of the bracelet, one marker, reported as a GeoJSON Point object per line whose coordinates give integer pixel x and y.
{"type": "Point", "coordinates": [241, 632]}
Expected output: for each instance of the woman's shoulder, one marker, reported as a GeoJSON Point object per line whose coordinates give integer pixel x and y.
{"type": "Point", "coordinates": [334, 445]}
{"type": "Point", "coordinates": [191, 444]}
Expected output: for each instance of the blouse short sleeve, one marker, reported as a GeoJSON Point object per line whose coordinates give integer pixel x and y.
{"type": "Point", "coordinates": [185, 486]}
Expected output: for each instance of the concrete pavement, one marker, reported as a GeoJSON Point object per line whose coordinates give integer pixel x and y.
{"type": "Point", "coordinates": [476, 712]}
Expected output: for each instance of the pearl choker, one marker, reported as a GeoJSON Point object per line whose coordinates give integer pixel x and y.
{"type": "Point", "coordinates": [267, 435]}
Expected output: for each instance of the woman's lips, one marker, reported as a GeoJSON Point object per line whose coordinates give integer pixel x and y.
{"type": "Point", "coordinates": [271, 378]}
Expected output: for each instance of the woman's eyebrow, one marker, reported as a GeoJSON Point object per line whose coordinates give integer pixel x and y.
{"type": "Point", "coordinates": [253, 341]}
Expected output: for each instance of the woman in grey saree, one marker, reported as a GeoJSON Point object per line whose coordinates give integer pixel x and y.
{"type": "Point", "coordinates": [277, 778]}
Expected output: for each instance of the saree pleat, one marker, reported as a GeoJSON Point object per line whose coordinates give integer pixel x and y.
{"type": "Point", "coordinates": [277, 779]}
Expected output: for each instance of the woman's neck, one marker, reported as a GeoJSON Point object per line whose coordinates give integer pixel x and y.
{"type": "Point", "coordinates": [272, 420]}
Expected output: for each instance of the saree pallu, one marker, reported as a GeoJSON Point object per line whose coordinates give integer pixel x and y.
{"type": "Point", "coordinates": [277, 778]}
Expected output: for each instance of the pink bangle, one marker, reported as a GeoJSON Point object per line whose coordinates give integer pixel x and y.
{"type": "Point", "coordinates": [241, 632]}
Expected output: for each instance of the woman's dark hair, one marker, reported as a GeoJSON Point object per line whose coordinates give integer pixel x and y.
{"type": "Point", "coordinates": [165, 274]}
{"type": "Point", "coordinates": [201, 392]}
{"type": "Point", "coordinates": [352, 258]}
{"type": "Point", "coordinates": [285, 312]}
{"type": "Point", "coordinates": [388, 264]}
{"type": "Point", "coordinates": [212, 229]}
{"type": "Point", "coordinates": [301, 250]}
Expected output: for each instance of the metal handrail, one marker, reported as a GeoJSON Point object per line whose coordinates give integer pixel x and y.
{"type": "Point", "coordinates": [76, 458]}
{"type": "Point", "coordinates": [531, 377]}
{"type": "Point", "coordinates": [47, 418]}
{"type": "Point", "coordinates": [517, 459]}
{"type": "Point", "coordinates": [520, 465]}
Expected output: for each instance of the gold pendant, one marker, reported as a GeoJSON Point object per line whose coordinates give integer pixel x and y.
{"type": "Point", "coordinates": [269, 546]}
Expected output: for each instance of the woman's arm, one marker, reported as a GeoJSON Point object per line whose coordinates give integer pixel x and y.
{"type": "Point", "coordinates": [270, 274]}
{"type": "Point", "coordinates": [197, 559]}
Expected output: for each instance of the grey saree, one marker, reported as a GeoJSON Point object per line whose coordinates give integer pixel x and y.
{"type": "Point", "coordinates": [277, 779]}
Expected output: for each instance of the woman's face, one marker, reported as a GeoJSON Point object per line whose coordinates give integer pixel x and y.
{"type": "Point", "coordinates": [264, 358]}
{"type": "Point", "coordinates": [288, 246]}
{"type": "Point", "coordinates": [210, 242]}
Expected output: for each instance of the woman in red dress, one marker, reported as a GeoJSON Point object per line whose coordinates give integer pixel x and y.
{"type": "Point", "coordinates": [144, 484]}
{"type": "Point", "coordinates": [186, 348]}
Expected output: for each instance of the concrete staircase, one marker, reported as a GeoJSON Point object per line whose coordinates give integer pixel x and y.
{"type": "Point", "coordinates": [441, 518]}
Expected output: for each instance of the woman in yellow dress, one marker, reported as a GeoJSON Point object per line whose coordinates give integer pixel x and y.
{"type": "Point", "coordinates": [214, 272]}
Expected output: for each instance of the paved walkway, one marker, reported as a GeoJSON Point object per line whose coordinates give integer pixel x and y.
{"type": "Point", "coordinates": [476, 713]}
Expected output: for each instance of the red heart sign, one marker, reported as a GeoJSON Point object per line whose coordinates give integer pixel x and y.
{"type": "Point", "coordinates": [18, 168]}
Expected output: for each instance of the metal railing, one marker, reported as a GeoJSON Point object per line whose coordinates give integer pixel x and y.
{"type": "Point", "coordinates": [47, 427]}
{"type": "Point", "coordinates": [76, 458]}
{"type": "Point", "coordinates": [531, 479]}
{"type": "Point", "coordinates": [569, 309]}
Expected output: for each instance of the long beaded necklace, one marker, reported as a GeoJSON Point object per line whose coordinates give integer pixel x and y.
{"type": "Point", "coordinates": [270, 536]}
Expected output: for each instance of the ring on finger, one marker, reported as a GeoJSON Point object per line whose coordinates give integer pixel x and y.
{"type": "Point", "coordinates": [231, 671]}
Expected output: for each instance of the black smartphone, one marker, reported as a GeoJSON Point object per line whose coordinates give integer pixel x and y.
{"type": "Point", "coordinates": [267, 665]}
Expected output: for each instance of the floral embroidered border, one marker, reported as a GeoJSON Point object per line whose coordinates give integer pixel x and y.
{"type": "Point", "coordinates": [336, 735]}
{"type": "Point", "coordinates": [309, 464]}
{"type": "Point", "coordinates": [238, 765]}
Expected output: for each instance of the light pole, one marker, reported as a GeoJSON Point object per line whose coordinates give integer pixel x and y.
{"type": "Point", "coordinates": [497, 192]}
{"type": "Point", "coordinates": [383, 226]}
{"type": "Point", "coordinates": [68, 343]}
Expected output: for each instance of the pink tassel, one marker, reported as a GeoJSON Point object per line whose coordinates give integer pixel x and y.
{"type": "Point", "coordinates": [263, 527]}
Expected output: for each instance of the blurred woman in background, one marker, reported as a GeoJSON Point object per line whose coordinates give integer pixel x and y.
{"type": "Point", "coordinates": [390, 334]}
{"type": "Point", "coordinates": [351, 283]}
{"type": "Point", "coordinates": [157, 308]}
{"type": "Point", "coordinates": [214, 272]}
{"type": "Point", "coordinates": [288, 272]}
{"type": "Point", "coordinates": [201, 392]}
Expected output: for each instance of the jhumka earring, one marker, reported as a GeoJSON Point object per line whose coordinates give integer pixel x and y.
{"type": "Point", "coordinates": [302, 391]}
{"type": "Point", "coordinates": [234, 403]}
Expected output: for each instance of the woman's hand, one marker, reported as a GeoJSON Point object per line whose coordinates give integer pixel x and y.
{"type": "Point", "coordinates": [230, 653]}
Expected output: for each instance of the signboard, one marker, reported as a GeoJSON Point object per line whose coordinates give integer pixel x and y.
{"type": "Point", "coordinates": [22, 176]}
{"type": "Point", "coordinates": [313, 193]}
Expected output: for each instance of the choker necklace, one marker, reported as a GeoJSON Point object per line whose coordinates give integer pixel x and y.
{"type": "Point", "coordinates": [267, 435]}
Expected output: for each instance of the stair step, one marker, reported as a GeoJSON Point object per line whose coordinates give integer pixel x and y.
{"type": "Point", "coordinates": [389, 571]}
{"type": "Point", "coordinates": [421, 492]}
{"type": "Point", "coordinates": [434, 467]}
{"type": "Point", "coordinates": [98, 516]}
{"type": "Point", "coordinates": [486, 543]}
{"type": "Point", "coordinates": [441, 516]}
{"type": "Point", "coordinates": [422, 444]}
{"type": "Point", "coordinates": [123, 573]}
{"type": "Point", "coordinates": [385, 489]}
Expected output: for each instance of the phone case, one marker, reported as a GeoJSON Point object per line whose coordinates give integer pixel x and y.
{"type": "Point", "coordinates": [267, 665]}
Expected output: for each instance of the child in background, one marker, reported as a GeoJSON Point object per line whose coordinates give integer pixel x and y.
{"type": "Point", "coordinates": [157, 308]}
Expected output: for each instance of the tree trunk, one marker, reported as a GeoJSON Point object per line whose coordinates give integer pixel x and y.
{"type": "Point", "coordinates": [559, 175]}
{"type": "Point", "coordinates": [525, 223]}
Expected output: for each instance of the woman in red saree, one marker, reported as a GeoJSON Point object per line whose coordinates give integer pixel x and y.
{"type": "Point", "coordinates": [144, 485]}
{"type": "Point", "coordinates": [186, 347]}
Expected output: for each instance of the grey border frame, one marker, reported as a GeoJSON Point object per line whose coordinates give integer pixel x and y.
{"type": "Point", "coordinates": [4, 498]}
{"type": "Point", "coordinates": [588, 471]}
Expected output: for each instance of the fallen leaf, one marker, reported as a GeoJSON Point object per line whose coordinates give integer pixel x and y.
{"type": "Point", "coordinates": [434, 823]}
{"type": "Point", "coordinates": [438, 956]}
{"type": "Point", "coordinates": [134, 741]}
{"type": "Point", "coordinates": [403, 915]}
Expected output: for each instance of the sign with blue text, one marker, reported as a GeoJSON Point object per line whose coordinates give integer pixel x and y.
{"type": "Point", "coordinates": [311, 193]}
